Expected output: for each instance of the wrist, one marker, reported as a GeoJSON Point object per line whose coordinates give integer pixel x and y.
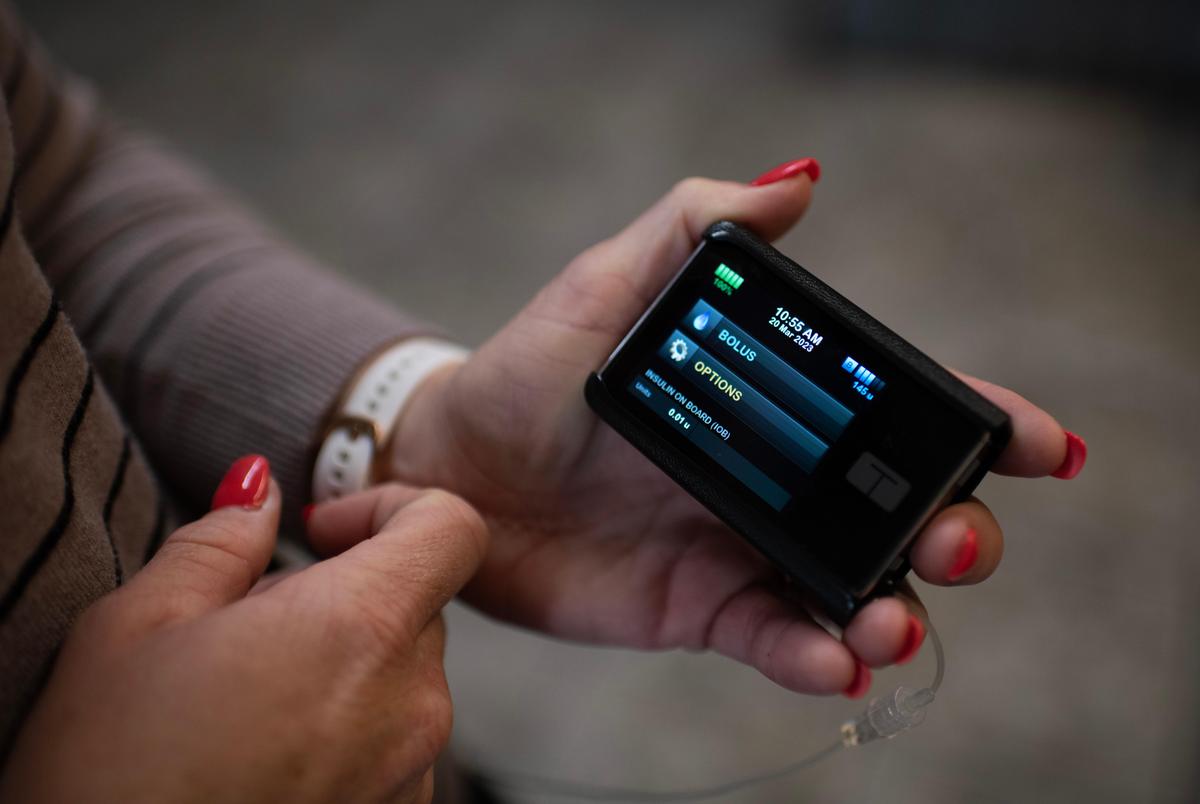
{"type": "Point", "coordinates": [423, 439]}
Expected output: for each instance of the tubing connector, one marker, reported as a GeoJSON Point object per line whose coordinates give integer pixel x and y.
{"type": "Point", "coordinates": [884, 718]}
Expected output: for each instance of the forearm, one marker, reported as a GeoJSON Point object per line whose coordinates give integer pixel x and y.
{"type": "Point", "coordinates": [214, 337]}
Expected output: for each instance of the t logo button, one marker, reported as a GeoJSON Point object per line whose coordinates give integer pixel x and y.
{"type": "Point", "coordinates": [878, 481]}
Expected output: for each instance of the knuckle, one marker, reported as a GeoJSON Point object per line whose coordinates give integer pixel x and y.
{"type": "Point", "coordinates": [426, 723]}
{"type": "Point", "coordinates": [213, 531]}
{"type": "Point", "coordinates": [597, 253]}
{"type": "Point", "coordinates": [685, 190]}
{"type": "Point", "coordinates": [432, 723]}
{"type": "Point", "coordinates": [198, 557]}
{"type": "Point", "coordinates": [584, 293]}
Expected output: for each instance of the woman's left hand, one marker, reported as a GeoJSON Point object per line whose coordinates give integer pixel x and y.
{"type": "Point", "coordinates": [591, 541]}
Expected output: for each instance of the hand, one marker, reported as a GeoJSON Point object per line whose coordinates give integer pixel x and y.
{"type": "Point", "coordinates": [193, 684]}
{"type": "Point", "coordinates": [590, 540]}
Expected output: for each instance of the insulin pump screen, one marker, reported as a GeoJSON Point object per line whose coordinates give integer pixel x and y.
{"type": "Point", "coordinates": [757, 382]}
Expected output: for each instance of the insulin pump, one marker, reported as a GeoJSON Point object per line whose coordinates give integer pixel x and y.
{"type": "Point", "coordinates": [818, 434]}
{"type": "Point", "coordinates": [815, 432]}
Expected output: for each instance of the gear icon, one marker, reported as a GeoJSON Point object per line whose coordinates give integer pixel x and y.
{"type": "Point", "coordinates": [679, 350]}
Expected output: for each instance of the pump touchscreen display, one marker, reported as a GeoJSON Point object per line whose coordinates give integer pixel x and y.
{"type": "Point", "coordinates": [752, 410]}
{"type": "Point", "coordinates": [762, 383]}
{"type": "Point", "coordinates": [789, 409]}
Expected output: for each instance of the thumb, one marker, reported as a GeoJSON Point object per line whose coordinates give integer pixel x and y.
{"type": "Point", "coordinates": [603, 292]}
{"type": "Point", "coordinates": [216, 559]}
{"type": "Point", "coordinates": [653, 247]}
{"type": "Point", "coordinates": [400, 554]}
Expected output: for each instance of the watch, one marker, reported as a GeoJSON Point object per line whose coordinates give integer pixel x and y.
{"type": "Point", "coordinates": [363, 419]}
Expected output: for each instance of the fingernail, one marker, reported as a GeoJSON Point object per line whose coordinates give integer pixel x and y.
{"type": "Point", "coordinates": [1076, 456]}
{"type": "Point", "coordinates": [968, 551]}
{"type": "Point", "coordinates": [789, 169]}
{"type": "Point", "coordinates": [912, 640]}
{"type": "Point", "coordinates": [861, 683]}
{"type": "Point", "coordinates": [306, 511]}
{"type": "Point", "coordinates": [245, 484]}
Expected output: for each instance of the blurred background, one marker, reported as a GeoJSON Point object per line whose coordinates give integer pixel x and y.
{"type": "Point", "coordinates": [1015, 187]}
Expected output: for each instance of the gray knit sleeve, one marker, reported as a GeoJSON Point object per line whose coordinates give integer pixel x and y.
{"type": "Point", "coordinates": [215, 338]}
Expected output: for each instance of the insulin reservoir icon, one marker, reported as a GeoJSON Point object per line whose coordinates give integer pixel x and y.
{"type": "Point", "coordinates": [864, 375]}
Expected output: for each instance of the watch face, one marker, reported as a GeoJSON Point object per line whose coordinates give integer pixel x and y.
{"type": "Point", "coordinates": [764, 387]}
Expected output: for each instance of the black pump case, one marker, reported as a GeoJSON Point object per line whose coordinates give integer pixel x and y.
{"type": "Point", "coordinates": [817, 585]}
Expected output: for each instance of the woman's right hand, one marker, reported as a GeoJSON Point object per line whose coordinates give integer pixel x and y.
{"type": "Point", "coordinates": [196, 682]}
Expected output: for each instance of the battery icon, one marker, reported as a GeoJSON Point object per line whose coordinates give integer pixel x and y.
{"type": "Point", "coordinates": [729, 276]}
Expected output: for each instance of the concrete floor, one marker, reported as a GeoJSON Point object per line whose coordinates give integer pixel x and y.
{"type": "Point", "coordinates": [454, 156]}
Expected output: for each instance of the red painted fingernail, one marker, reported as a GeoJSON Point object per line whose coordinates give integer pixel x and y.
{"type": "Point", "coordinates": [968, 551]}
{"type": "Point", "coordinates": [912, 640]}
{"type": "Point", "coordinates": [306, 511]}
{"type": "Point", "coordinates": [245, 484]}
{"type": "Point", "coordinates": [1076, 456]}
{"type": "Point", "coordinates": [788, 170]}
{"type": "Point", "coordinates": [861, 683]}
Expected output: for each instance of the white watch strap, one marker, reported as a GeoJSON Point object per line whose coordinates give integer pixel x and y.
{"type": "Point", "coordinates": [369, 411]}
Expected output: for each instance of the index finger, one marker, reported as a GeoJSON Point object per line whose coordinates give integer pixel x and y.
{"type": "Point", "coordinates": [1039, 445]}
{"type": "Point", "coordinates": [412, 552]}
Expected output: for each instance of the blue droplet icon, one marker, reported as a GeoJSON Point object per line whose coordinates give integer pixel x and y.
{"type": "Point", "coordinates": [700, 321]}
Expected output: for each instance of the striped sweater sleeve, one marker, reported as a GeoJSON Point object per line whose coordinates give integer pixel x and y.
{"type": "Point", "coordinates": [215, 337]}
